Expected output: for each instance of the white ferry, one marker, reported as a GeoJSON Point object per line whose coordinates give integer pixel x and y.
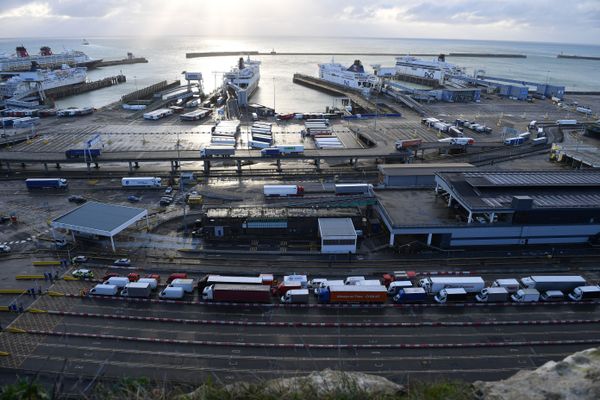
{"type": "Point", "coordinates": [437, 69]}
{"type": "Point", "coordinates": [354, 77]}
{"type": "Point", "coordinates": [243, 79]}
{"type": "Point", "coordinates": [28, 83]}
{"type": "Point", "coordinates": [21, 61]}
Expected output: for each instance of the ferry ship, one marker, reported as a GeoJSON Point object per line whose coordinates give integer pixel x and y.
{"type": "Point", "coordinates": [23, 84]}
{"type": "Point", "coordinates": [353, 77]}
{"type": "Point", "coordinates": [21, 60]}
{"type": "Point", "coordinates": [438, 69]}
{"type": "Point", "coordinates": [243, 79]}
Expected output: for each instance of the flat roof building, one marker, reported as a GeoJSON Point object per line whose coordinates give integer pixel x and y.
{"type": "Point", "coordinates": [99, 219]}
{"type": "Point", "coordinates": [338, 235]}
{"type": "Point", "coordinates": [415, 175]}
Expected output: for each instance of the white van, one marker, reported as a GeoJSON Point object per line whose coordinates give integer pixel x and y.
{"type": "Point", "coordinates": [104, 290]}
{"type": "Point", "coordinates": [511, 285]}
{"type": "Point", "coordinates": [552, 295]}
{"type": "Point", "coordinates": [174, 293]}
{"type": "Point", "coordinates": [153, 283]}
{"type": "Point", "coordinates": [118, 281]}
{"type": "Point", "coordinates": [186, 284]}
{"type": "Point", "coordinates": [254, 117]}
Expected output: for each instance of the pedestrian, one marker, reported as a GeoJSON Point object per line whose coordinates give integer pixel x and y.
{"type": "Point", "coordinates": [21, 310]}
{"type": "Point", "coordinates": [46, 276]}
{"type": "Point", "coordinates": [56, 275]}
{"type": "Point", "coordinates": [39, 290]}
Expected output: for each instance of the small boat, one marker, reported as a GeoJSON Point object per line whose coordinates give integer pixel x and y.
{"type": "Point", "coordinates": [85, 42]}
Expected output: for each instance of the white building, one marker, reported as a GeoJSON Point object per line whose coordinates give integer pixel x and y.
{"type": "Point", "coordinates": [338, 235]}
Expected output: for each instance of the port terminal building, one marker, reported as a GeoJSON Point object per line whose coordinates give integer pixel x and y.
{"type": "Point", "coordinates": [490, 208]}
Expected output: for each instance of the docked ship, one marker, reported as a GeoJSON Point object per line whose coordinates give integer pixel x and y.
{"type": "Point", "coordinates": [353, 77]}
{"type": "Point", "coordinates": [244, 79]}
{"type": "Point", "coordinates": [21, 60]}
{"type": "Point", "coordinates": [27, 86]}
{"type": "Point", "coordinates": [437, 70]}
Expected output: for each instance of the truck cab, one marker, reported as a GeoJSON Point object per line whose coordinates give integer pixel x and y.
{"type": "Point", "coordinates": [352, 280]}
{"type": "Point", "coordinates": [492, 294]}
{"type": "Point", "coordinates": [526, 296]}
{"type": "Point", "coordinates": [395, 287]}
{"type": "Point", "coordinates": [585, 293]}
{"type": "Point", "coordinates": [552, 295]}
{"type": "Point", "coordinates": [295, 296]}
{"type": "Point", "coordinates": [450, 294]}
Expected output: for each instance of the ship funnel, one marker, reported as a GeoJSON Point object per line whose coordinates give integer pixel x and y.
{"type": "Point", "coordinates": [22, 51]}
{"type": "Point", "coordinates": [241, 63]}
{"type": "Point", "coordinates": [442, 58]}
{"type": "Point", "coordinates": [45, 51]}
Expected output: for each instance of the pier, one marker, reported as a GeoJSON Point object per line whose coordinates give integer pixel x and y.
{"type": "Point", "coordinates": [60, 92]}
{"type": "Point", "coordinates": [134, 60]}
{"type": "Point", "coordinates": [367, 54]}
{"type": "Point", "coordinates": [578, 57]}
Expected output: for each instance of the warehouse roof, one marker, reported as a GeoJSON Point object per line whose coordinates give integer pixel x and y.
{"type": "Point", "coordinates": [279, 213]}
{"type": "Point", "coordinates": [420, 169]}
{"type": "Point", "coordinates": [336, 227]}
{"type": "Point", "coordinates": [100, 218]}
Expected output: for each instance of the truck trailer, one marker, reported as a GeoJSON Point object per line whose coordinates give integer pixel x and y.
{"type": "Point", "coordinates": [471, 284]}
{"type": "Point", "coordinates": [237, 293]}
{"type": "Point", "coordinates": [83, 153]}
{"type": "Point", "coordinates": [46, 183]}
{"type": "Point", "coordinates": [353, 294]}
{"type": "Point", "coordinates": [295, 296]}
{"type": "Point", "coordinates": [353, 188]}
{"type": "Point", "coordinates": [139, 182]}
{"type": "Point", "coordinates": [542, 283]}
{"type": "Point", "coordinates": [411, 295]}
{"type": "Point", "coordinates": [217, 151]}
{"type": "Point", "coordinates": [137, 289]}
{"type": "Point", "coordinates": [283, 190]}
{"type": "Point", "coordinates": [209, 280]}
{"type": "Point", "coordinates": [291, 148]}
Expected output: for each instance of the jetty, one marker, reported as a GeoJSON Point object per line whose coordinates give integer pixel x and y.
{"type": "Point", "coordinates": [129, 60]}
{"type": "Point", "coordinates": [578, 57]}
{"type": "Point", "coordinates": [65, 91]}
{"type": "Point", "coordinates": [367, 54]}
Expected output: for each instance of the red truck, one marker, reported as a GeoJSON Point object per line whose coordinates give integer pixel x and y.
{"type": "Point", "coordinates": [177, 275]}
{"type": "Point", "coordinates": [281, 289]}
{"type": "Point", "coordinates": [353, 294]}
{"type": "Point", "coordinates": [237, 293]}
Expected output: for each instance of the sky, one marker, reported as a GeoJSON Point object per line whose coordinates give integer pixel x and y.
{"type": "Point", "coordinates": [560, 21]}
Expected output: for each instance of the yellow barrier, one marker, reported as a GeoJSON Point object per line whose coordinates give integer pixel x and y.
{"type": "Point", "coordinates": [46, 263]}
{"type": "Point", "coordinates": [15, 330]}
{"type": "Point", "coordinates": [36, 310]}
{"type": "Point", "coordinates": [70, 278]}
{"type": "Point", "coordinates": [3, 353]}
{"type": "Point", "coordinates": [55, 294]}
{"type": "Point", "coordinates": [13, 291]}
{"type": "Point", "coordinates": [3, 308]}
{"type": "Point", "coordinates": [29, 277]}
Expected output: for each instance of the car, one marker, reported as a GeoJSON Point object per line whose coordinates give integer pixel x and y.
{"type": "Point", "coordinates": [83, 274]}
{"type": "Point", "coordinates": [4, 248]}
{"type": "Point", "coordinates": [133, 199]}
{"type": "Point", "coordinates": [169, 190]}
{"type": "Point", "coordinates": [80, 259]}
{"type": "Point", "coordinates": [4, 219]}
{"type": "Point", "coordinates": [122, 262]}
{"type": "Point", "coordinates": [77, 199]}
{"type": "Point", "coordinates": [61, 242]}
{"type": "Point", "coordinates": [166, 200]}
{"type": "Point", "coordinates": [133, 277]}
{"type": "Point", "coordinates": [109, 275]}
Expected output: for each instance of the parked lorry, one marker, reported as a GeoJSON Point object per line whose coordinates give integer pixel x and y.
{"type": "Point", "coordinates": [173, 293]}
{"type": "Point", "coordinates": [237, 293]}
{"type": "Point", "coordinates": [514, 141]}
{"type": "Point", "coordinates": [153, 283]}
{"type": "Point", "coordinates": [118, 281]}
{"type": "Point", "coordinates": [510, 284]}
{"type": "Point", "coordinates": [396, 286]}
{"type": "Point", "coordinates": [46, 183]}
{"type": "Point", "coordinates": [138, 182]}
{"type": "Point", "coordinates": [450, 295]}
{"type": "Point", "coordinates": [471, 284]}
{"type": "Point", "coordinates": [104, 290]}
{"type": "Point", "coordinates": [492, 294]}
{"type": "Point", "coordinates": [411, 295]}
{"type": "Point", "coordinates": [270, 152]}
{"type": "Point", "coordinates": [584, 110]}
{"type": "Point", "coordinates": [230, 280]}
{"type": "Point", "coordinates": [585, 293]}
{"type": "Point", "coordinates": [137, 289]}
{"type": "Point", "coordinates": [408, 143]}
{"type": "Point", "coordinates": [217, 151]}
{"type": "Point", "coordinates": [565, 283]}
{"type": "Point", "coordinates": [325, 284]}
{"type": "Point", "coordinates": [303, 279]}
{"type": "Point", "coordinates": [295, 296]}
{"type": "Point", "coordinates": [83, 153]}
{"type": "Point", "coordinates": [353, 294]}
{"type": "Point", "coordinates": [291, 148]}
{"type": "Point", "coordinates": [284, 287]}
{"type": "Point", "coordinates": [186, 284]}
{"type": "Point", "coordinates": [283, 190]}
{"type": "Point", "coordinates": [526, 296]}
{"type": "Point", "coordinates": [458, 141]}
{"type": "Point", "coordinates": [353, 188]}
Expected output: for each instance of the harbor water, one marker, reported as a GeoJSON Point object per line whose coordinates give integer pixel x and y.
{"type": "Point", "coordinates": [167, 61]}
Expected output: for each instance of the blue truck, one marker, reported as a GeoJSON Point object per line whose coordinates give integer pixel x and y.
{"type": "Point", "coordinates": [514, 141]}
{"type": "Point", "coordinates": [270, 152]}
{"type": "Point", "coordinates": [411, 295]}
{"type": "Point", "coordinates": [82, 153]}
{"type": "Point", "coordinates": [46, 183]}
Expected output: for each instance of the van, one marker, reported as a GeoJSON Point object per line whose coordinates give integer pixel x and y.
{"type": "Point", "coordinates": [395, 287]}
{"type": "Point", "coordinates": [186, 284]}
{"type": "Point", "coordinates": [153, 283]}
{"type": "Point", "coordinates": [552, 295]}
{"type": "Point", "coordinates": [174, 293]}
{"type": "Point", "coordinates": [585, 293]}
{"type": "Point", "coordinates": [118, 281]}
{"type": "Point", "coordinates": [254, 117]}
{"type": "Point", "coordinates": [104, 290]}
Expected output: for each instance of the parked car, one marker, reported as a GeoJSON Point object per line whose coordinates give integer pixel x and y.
{"type": "Point", "coordinates": [4, 219]}
{"type": "Point", "coordinates": [4, 248]}
{"type": "Point", "coordinates": [122, 262]}
{"type": "Point", "coordinates": [169, 190]}
{"type": "Point", "coordinates": [83, 274]}
{"type": "Point", "coordinates": [80, 259]}
{"type": "Point", "coordinates": [154, 276]}
{"type": "Point", "coordinates": [133, 277]}
{"type": "Point", "coordinates": [77, 199]}
{"type": "Point", "coordinates": [133, 199]}
{"type": "Point", "coordinates": [166, 200]}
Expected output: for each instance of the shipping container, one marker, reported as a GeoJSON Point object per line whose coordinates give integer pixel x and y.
{"type": "Point", "coordinates": [353, 294]}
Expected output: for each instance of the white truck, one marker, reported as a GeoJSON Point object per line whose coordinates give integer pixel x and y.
{"type": "Point", "coordinates": [291, 148]}
{"type": "Point", "coordinates": [543, 283]}
{"type": "Point", "coordinates": [395, 287]}
{"type": "Point", "coordinates": [353, 280]}
{"type": "Point", "coordinates": [526, 296]}
{"type": "Point", "coordinates": [104, 290]}
{"type": "Point", "coordinates": [137, 289]}
{"type": "Point", "coordinates": [295, 296]}
{"type": "Point", "coordinates": [138, 182]}
{"type": "Point", "coordinates": [283, 190]}
{"type": "Point", "coordinates": [325, 284]}
{"type": "Point", "coordinates": [585, 293]}
{"type": "Point", "coordinates": [217, 151]}
{"type": "Point", "coordinates": [153, 282]}
{"type": "Point", "coordinates": [118, 281]}
{"type": "Point", "coordinates": [186, 284]}
{"type": "Point", "coordinates": [492, 294]}
{"type": "Point", "coordinates": [303, 279]}
{"type": "Point", "coordinates": [471, 284]}
{"type": "Point", "coordinates": [173, 293]}
{"type": "Point", "coordinates": [450, 294]}
{"type": "Point", "coordinates": [510, 284]}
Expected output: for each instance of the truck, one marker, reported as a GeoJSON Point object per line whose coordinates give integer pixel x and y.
{"type": "Point", "coordinates": [471, 284]}
{"type": "Point", "coordinates": [270, 152]}
{"type": "Point", "coordinates": [174, 293]}
{"type": "Point", "coordinates": [353, 294]}
{"type": "Point", "coordinates": [83, 153]}
{"type": "Point", "coordinates": [411, 295]}
{"type": "Point", "coordinates": [118, 281]}
{"type": "Point", "coordinates": [137, 289]}
{"type": "Point", "coordinates": [284, 287]}
{"type": "Point", "coordinates": [138, 182]}
{"type": "Point", "coordinates": [186, 284]}
{"type": "Point", "coordinates": [561, 122]}
{"type": "Point", "coordinates": [585, 293]}
{"type": "Point", "coordinates": [283, 190]}
{"type": "Point", "coordinates": [256, 137]}
{"type": "Point", "coordinates": [396, 286]}
{"type": "Point", "coordinates": [237, 293]}
{"type": "Point", "coordinates": [510, 284]}
{"type": "Point", "coordinates": [539, 141]}
{"type": "Point", "coordinates": [492, 294]}
{"type": "Point", "coordinates": [303, 279]}
{"type": "Point", "coordinates": [295, 296]}
{"type": "Point", "coordinates": [217, 151]}
{"type": "Point", "coordinates": [458, 141]}
{"type": "Point", "coordinates": [352, 188]}
{"type": "Point", "coordinates": [46, 183]}
{"type": "Point", "coordinates": [325, 284]}
{"type": "Point", "coordinates": [408, 143]}
{"type": "Point", "coordinates": [584, 110]}
{"type": "Point", "coordinates": [257, 144]}
{"type": "Point", "coordinates": [230, 280]}
{"type": "Point", "coordinates": [104, 290]}
{"type": "Point", "coordinates": [291, 148]}
{"type": "Point", "coordinates": [454, 131]}
{"type": "Point", "coordinates": [153, 283]}
{"type": "Point", "coordinates": [514, 141]}
{"type": "Point", "coordinates": [450, 295]}
{"type": "Point", "coordinates": [566, 283]}
{"type": "Point", "coordinates": [526, 296]}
